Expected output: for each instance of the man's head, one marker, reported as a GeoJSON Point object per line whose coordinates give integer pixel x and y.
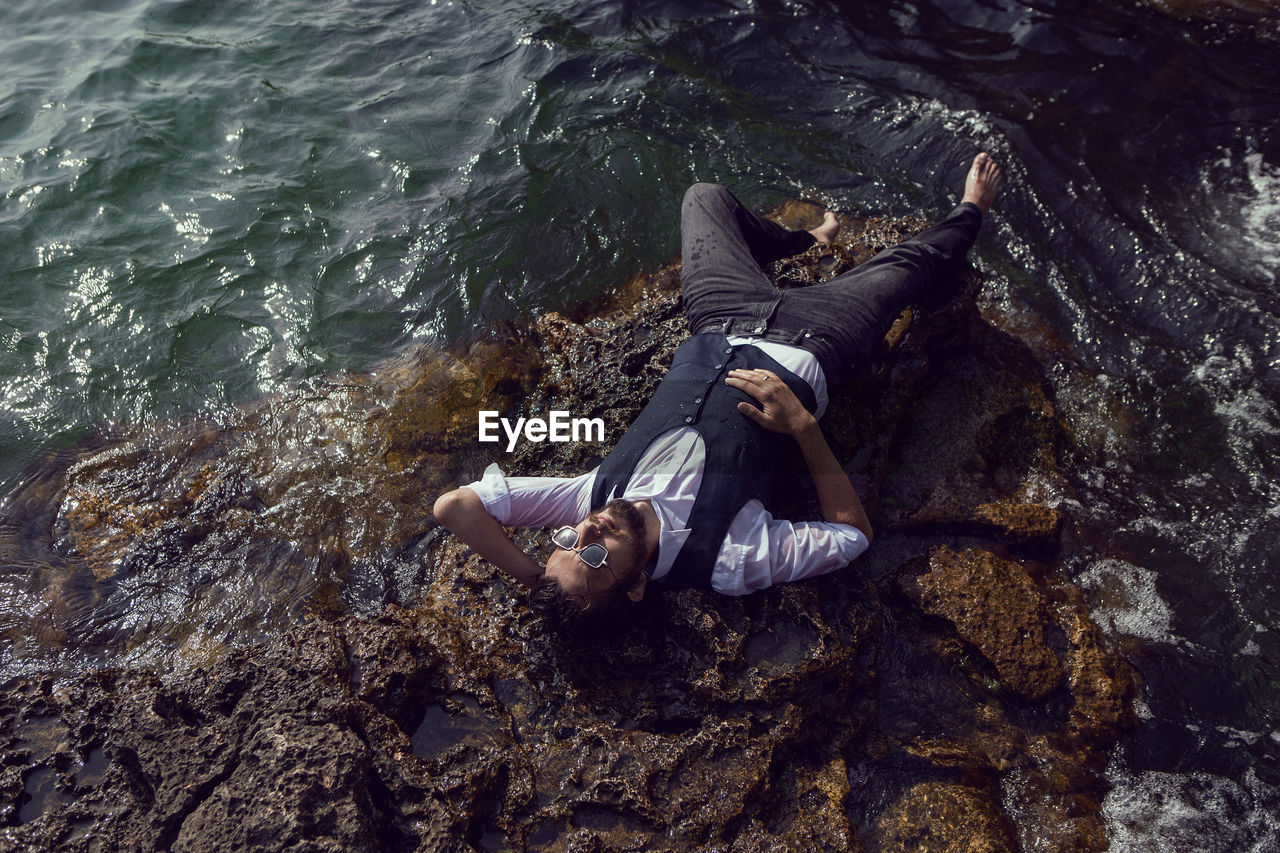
{"type": "Point", "coordinates": [574, 592]}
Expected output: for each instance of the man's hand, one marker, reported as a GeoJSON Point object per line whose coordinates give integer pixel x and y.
{"type": "Point", "coordinates": [783, 412]}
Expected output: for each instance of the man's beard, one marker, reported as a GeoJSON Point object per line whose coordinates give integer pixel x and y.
{"type": "Point", "coordinates": [631, 521]}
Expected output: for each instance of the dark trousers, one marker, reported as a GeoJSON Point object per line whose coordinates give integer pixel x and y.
{"type": "Point", "coordinates": [725, 248]}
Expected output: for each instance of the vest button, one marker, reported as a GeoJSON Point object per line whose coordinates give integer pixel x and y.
{"type": "Point", "coordinates": [728, 351]}
{"type": "Point", "coordinates": [697, 400]}
{"type": "Point", "coordinates": [718, 366]}
{"type": "Point", "coordinates": [808, 334]}
{"type": "Point", "coordinates": [689, 420]}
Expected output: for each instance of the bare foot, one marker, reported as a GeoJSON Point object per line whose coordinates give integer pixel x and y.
{"type": "Point", "coordinates": [983, 181]}
{"type": "Point", "coordinates": [827, 231]}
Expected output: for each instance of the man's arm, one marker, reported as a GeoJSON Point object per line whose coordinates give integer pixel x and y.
{"type": "Point", "coordinates": [464, 514]}
{"type": "Point", "coordinates": [783, 412]}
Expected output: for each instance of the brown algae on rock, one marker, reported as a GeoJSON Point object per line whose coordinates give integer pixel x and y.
{"type": "Point", "coordinates": [996, 606]}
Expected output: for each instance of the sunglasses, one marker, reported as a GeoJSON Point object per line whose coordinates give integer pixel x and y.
{"type": "Point", "coordinates": [594, 555]}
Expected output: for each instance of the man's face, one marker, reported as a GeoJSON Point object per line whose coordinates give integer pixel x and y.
{"type": "Point", "coordinates": [620, 528]}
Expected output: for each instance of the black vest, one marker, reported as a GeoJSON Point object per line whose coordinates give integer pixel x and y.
{"type": "Point", "coordinates": [741, 454]}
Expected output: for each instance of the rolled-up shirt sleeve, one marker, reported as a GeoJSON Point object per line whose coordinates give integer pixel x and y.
{"type": "Point", "coordinates": [534, 501]}
{"type": "Point", "coordinates": [760, 551]}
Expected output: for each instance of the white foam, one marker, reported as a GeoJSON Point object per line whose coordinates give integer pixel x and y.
{"type": "Point", "coordinates": [1251, 188]}
{"type": "Point", "coordinates": [1157, 811]}
{"type": "Point", "coordinates": [1262, 212]}
{"type": "Point", "coordinates": [1229, 376]}
{"type": "Point", "coordinates": [1235, 736]}
{"type": "Point", "coordinates": [1126, 600]}
{"type": "Point", "coordinates": [1251, 421]}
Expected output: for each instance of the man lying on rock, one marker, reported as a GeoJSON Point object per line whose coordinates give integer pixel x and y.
{"type": "Point", "coordinates": [680, 499]}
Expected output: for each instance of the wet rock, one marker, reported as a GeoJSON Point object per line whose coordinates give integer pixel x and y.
{"type": "Point", "coordinates": [1021, 523]}
{"type": "Point", "coordinates": [324, 668]}
{"type": "Point", "coordinates": [1047, 752]}
{"type": "Point", "coordinates": [1101, 685]}
{"type": "Point", "coordinates": [265, 750]}
{"type": "Point", "coordinates": [996, 606]}
{"type": "Point", "coordinates": [944, 819]}
{"type": "Point", "coordinates": [1000, 459]}
{"type": "Point", "coordinates": [295, 782]}
{"type": "Point", "coordinates": [437, 727]}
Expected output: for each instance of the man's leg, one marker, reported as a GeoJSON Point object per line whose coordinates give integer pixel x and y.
{"type": "Point", "coordinates": [912, 270]}
{"type": "Point", "coordinates": [852, 312]}
{"type": "Point", "coordinates": [724, 247]}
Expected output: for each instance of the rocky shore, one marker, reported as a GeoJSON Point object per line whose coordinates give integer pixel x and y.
{"type": "Point", "coordinates": [947, 692]}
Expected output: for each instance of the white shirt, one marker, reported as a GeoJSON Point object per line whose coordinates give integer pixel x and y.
{"type": "Point", "coordinates": [758, 550]}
